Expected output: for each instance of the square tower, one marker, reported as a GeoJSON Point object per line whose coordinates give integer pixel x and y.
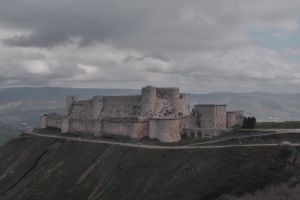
{"type": "Point", "coordinates": [210, 116]}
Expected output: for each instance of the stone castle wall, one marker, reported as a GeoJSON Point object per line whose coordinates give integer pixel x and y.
{"type": "Point", "coordinates": [165, 130]}
{"type": "Point", "coordinates": [168, 130]}
{"type": "Point", "coordinates": [54, 120]}
{"type": "Point", "coordinates": [82, 110]}
{"type": "Point", "coordinates": [204, 116]}
{"type": "Point", "coordinates": [220, 116]}
{"type": "Point", "coordinates": [131, 129]}
{"type": "Point", "coordinates": [161, 113]}
{"type": "Point", "coordinates": [210, 116]}
{"type": "Point", "coordinates": [121, 106]}
{"type": "Point", "coordinates": [234, 118]}
{"type": "Point", "coordinates": [84, 126]}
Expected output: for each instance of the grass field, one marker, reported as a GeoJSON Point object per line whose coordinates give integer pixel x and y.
{"type": "Point", "coordinates": [6, 134]}
{"type": "Point", "coordinates": [280, 125]}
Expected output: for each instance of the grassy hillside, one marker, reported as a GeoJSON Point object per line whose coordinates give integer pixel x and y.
{"type": "Point", "coordinates": [6, 134]}
{"type": "Point", "coordinates": [280, 125]}
{"type": "Point", "coordinates": [36, 168]}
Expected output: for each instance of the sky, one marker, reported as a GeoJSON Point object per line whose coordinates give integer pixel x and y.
{"type": "Point", "coordinates": [197, 45]}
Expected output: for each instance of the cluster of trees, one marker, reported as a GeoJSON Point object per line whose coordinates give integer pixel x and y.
{"type": "Point", "coordinates": [249, 122]}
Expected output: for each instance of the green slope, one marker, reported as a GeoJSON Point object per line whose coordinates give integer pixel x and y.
{"type": "Point", "coordinates": [36, 168]}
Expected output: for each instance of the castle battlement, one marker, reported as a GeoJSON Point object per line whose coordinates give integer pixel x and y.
{"type": "Point", "coordinates": [161, 113]}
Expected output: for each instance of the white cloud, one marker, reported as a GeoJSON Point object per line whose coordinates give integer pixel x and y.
{"type": "Point", "coordinates": [36, 67]}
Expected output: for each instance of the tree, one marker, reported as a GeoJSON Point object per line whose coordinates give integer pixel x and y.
{"type": "Point", "coordinates": [249, 122]}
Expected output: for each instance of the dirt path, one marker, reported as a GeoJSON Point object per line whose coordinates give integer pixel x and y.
{"type": "Point", "coordinates": [275, 132]}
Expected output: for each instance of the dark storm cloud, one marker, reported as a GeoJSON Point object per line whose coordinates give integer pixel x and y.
{"type": "Point", "coordinates": [137, 24]}
{"type": "Point", "coordinates": [53, 22]}
{"type": "Point", "coordinates": [153, 24]}
{"type": "Point", "coordinates": [136, 42]}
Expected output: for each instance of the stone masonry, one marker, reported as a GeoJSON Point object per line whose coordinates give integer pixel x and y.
{"type": "Point", "coordinates": [159, 113]}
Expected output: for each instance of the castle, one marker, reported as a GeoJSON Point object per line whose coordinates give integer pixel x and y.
{"type": "Point", "coordinates": [161, 113]}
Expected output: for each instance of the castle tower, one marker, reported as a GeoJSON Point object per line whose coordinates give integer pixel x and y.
{"type": "Point", "coordinates": [149, 95]}
{"type": "Point", "coordinates": [69, 102]}
{"type": "Point", "coordinates": [234, 118]}
{"type": "Point", "coordinates": [168, 93]}
{"type": "Point", "coordinates": [44, 122]}
{"type": "Point", "coordinates": [210, 116]}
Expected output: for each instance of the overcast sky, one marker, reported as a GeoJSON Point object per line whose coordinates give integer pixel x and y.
{"type": "Point", "coordinates": [198, 45]}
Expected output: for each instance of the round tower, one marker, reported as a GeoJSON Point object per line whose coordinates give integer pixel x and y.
{"type": "Point", "coordinates": [148, 100]}
{"type": "Point", "coordinates": [186, 103]}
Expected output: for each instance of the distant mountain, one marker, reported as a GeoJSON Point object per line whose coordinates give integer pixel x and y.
{"type": "Point", "coordinates": [265, 106]}
{"type": "Point", "coordinates": [20, 108]}
{"type": "Point", "coordinates": [56, 94]}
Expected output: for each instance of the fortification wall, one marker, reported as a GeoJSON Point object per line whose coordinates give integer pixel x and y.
{"type": "Point", "coordinates": [82, 110]}
{"type": "Point", "coordinates": [160, 113]}
{"type": "Point", "coordinates": [210, 116]}
{"type": "Point", "coordinates": [234, 118]}
{"type": "Point", "coordinates": [168, 93]}
{"type": "Point", "coordinates": [69, 103]}
{"type": "Point", "coordinates": [131, 129]}
{"type": "Point", "coordinates": [54, 121]}
{"type": "Point", "coordinates": [186, 101]}
{"type": "Point", "coordinates": [121, 106]}
{"type": "Point", "coordinates": [171, 108]}
{"type": "Point", "coordinates": [239, 118]}
{"type": "Point", "coordinates": [205, 116]}
{"type": "Point", "coordinates": [220, 116]}
{"type": "Point", "coordinates": [149, 96]}
{"type": "Point", "coordinates": [83, 126]}
{"type": "Point", "coordinates": [43, 122]}
{"type": "Point", "coordinates": [97, 106]}
{"type": "Point", "coordinates": [231, 119]}
{"type": "Point", "coordinates": [165, 130]}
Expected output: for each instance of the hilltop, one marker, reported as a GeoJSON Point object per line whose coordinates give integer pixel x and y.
{"type": "Point", "coordinates": [21, 108]}
{"type": "Point", "coordinates": [43, 168]}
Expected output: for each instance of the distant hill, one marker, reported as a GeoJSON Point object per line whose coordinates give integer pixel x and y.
{"type": "Point", "coordinates": [20, 108]}
{"type": "Point", "coordinates": [265, 106]}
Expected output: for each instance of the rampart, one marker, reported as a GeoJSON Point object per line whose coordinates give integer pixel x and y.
{"type": "Point", "coordinates": [159, 113]}
{"type": "Point", "coordinates": [210, 116]}
{"type": "Point", "coordinates": [52, 120]}
{"type": "Point", "coordinates": [234, 118]}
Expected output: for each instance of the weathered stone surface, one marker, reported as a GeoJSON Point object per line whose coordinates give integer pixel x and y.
{"type": "Point", "coordinates": [234, 118]}
{"type": "Point", "coordinates": [210, 116]}
{"type": "Point", "coordinates": [160, 113]}
{"type": "Point", "coordinates": [43, 122]}
{"type": "Point", "coordinates": [53, 120]}
{"type": "Point", "coordinates": [65, 125]}
{"type": "Point", "coordinates": [165, 130]}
